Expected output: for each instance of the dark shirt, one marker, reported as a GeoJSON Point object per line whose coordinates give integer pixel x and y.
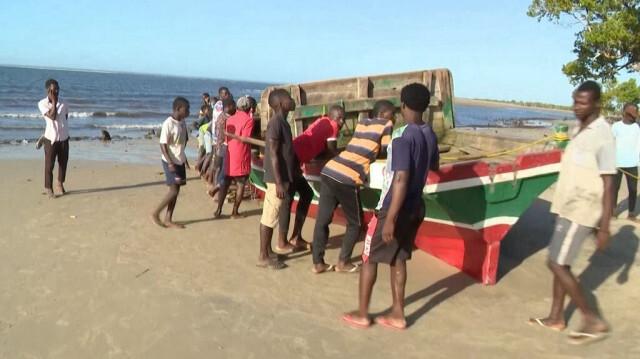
{"type": "Point", "coordinates": [278, 129]}
{"type": "Point", "coordinates": [415, 151]}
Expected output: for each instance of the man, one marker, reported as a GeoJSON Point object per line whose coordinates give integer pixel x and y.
{"type": "Point", "coordinates": [321, 136]}
{"type": "Point", "coordinates": [56, 137]}
{"type": "Point", "coordinates": [583, 200]}
{"type": "Point", "coordinates": [237, 162]}
{"type": "Point", "coordinates": [341, 178]}
{"type": "Point", "coordinates": [279, 167]}
{"type": "Point", "coordinates": [215, 174]}
{"type": "Point", "coordinates": [413, 151]}
{"type": "Point", "coordinates": [627, 135]}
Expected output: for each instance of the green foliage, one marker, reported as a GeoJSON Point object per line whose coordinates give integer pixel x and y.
{"type": "Point", "coordinates": [609, 39]}
{"type": "Point", "coordinates": [615, 95]}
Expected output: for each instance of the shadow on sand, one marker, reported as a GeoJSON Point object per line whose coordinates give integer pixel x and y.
{"type": "Point", "coordinates": [531, 234]}
{"type": "Point", "coordinates": [117, 188]}
{"type": "Point", "coordinates": [620, 256]}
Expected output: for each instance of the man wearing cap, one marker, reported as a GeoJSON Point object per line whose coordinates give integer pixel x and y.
{"type": "Point", "coordinates": [238, 157]}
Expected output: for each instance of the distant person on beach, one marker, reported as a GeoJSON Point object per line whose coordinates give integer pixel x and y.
{"type": "Point", "coordinates": [627, 135]}
{"type": "Point", "coordinates": [201, 125]}
{"type": "Point", "coordinates": [56, 137]}
{"type": "Point", "coordinates": [340, 185]}
{"type": "Point", "coordinates": [583, 200]}
{"type": "Point", "coordinates": [237, 163]}
{"type": "Point", "coordinates": [216, 173]}
{"type": "Point", "coordinates": [173, 139]}
{"type": "Point", "coordinates": [279, 167]}
{"type": "Point", "coordinates": [320, 137]}
{"type": "Point", "coordinates": [413, 151]}
{"type": "Point", "coordinates": [218, 109]}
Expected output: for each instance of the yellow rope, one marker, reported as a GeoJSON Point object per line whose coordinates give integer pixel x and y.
{"type": "Point", "coordinates": [627, 173]}
{"type": "Point", "coordinates": [555, 136]}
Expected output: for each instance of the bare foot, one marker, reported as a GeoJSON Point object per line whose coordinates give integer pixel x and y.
{"type": "Point", "coordinates": [286, 249]}
{"type": "Point", "coordinates": [549, 323]}
{"type": "Point", "coordinates": [322, 267]}
{"type": "Point", "coordinates": [355, 320]}
{"type": "Point", "coordinates": [392, 322]}
{"type": "Point", "coordinates": [50, 193]}
{"type": "Point", "coordinates": [238, 215]}
{"type": "Point", "coordinates": [170, 224]}
{"type": "Point", "coordinates": [347, 268]}
{"type": "Point", "coordinates": [60, 188]}
{"type": "Point", "coordinates": [632, 218]}
{"type": "Point", "coordinates": [270, 263]}
{"type": "Point", "coordinates": [217, 214]}
{"type": "Point", "coordinates": [154, 218]}
{"type": "Point", "coordinates": [300, 243]}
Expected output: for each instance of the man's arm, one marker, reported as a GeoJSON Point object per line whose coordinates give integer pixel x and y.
{"type": "Point", "coordinates": [165, 151]}
{"type": "Point", "coordinates": [398, 195]}
{"type": "Point", "coordinates": [603, 235]}
{"type": "Point", "coordinates": [52, 112]}
{"type": "Point", "coordinates": [274, 147]}
{"type": "Point", "coordinates": [332, 147]}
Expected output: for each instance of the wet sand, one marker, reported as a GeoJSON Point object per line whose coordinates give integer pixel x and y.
{"type": "Point", "coordinates": [87, 275]}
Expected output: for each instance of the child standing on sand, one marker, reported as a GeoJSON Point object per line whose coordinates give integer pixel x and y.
{"type": "Point", "coordinates": [173, 140]}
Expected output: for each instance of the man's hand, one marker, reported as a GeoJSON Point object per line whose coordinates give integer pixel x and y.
{"type": "Point", "coordinates": [281, 189]}
{"type": "Point", "coordinates": [388, 229]}
{"type": "Point", "coordinates": [186, 164]}
{"type": "Point", "coordinates": [602, 240]}
{"type": "Point", "coordinates": [172, 168]}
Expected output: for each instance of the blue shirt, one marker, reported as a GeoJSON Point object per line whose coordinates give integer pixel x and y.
{"type": "Point", "coordinates": [415, 151]}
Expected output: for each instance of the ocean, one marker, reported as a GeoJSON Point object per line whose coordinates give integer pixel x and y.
{"type": "Point", "coordinates": [129, 105]}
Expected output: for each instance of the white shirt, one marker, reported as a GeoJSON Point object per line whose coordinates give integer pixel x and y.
{"type": "Point", "coordinates": [579, 190]}
{"type": "Point", "coordinates": [57, 130]}
{"type": "Point", "coordinates": [627, 144]}
{"type": "Point", "coordinates": [174, 134]}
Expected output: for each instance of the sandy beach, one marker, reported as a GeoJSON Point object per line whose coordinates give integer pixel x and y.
{"type": "Point", "coordinates": [87, 275]}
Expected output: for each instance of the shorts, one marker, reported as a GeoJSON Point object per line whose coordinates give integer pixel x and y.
{"type": "Point", "coordinates": [271, 207]}
{"type": "Point", "coordinates": [238, 179]}
{"type": "Point", "coordinates": [566, 241]}
{"type": "Point", "coordinates": [223, 157]}
{"type": "Point", "coordinates": [208, 142]}
{"type": "Point", "coordinates": [179, 178]}
{"type": "Point", "coordinates": [407, 225]}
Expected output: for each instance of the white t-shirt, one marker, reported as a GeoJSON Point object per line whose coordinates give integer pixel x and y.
{"type": "Point", "coordinates": [217, 110]}
{"type": "Point", "coordinates": [57, 130]}
{"type": "Point", "coordinates": [627, 144]}
{"type": "Point", "coordinates": [174, 134]}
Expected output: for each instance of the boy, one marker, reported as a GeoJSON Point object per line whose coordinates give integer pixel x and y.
{"type": "Point", "coordinates": [279, 167]}
{"type": "Point", "coordinates": [401, 211]}
{"type": "Point", "coordinates": [341, 178]}
{"type": "Point", "coordinates": [320, 136]}
{"type": "Point", "coordinates": [237, 163]}
{"type": "Point", "coordinates": [627, 136]}
{"type": "Point", "coordinates": [173, 139]}
{"type": "Point", "coordinates": [583, 200]}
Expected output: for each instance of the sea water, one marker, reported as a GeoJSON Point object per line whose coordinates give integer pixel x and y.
{"type": "Point", "coordinates": [129, 105]}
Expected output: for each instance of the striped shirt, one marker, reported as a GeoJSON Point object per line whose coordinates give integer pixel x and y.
{"type": "Point", "coordinates": [351, 166]}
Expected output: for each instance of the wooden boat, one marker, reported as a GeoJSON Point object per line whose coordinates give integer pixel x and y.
{"type": "Point", "coordinates": [471, 202]}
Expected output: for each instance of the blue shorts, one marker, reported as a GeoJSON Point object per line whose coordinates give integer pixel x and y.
{"type": "Point", "coordinates": [223, 155]}
{"type": "Point", "coordinates": [179, 178]}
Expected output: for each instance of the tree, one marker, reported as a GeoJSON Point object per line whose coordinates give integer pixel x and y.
{"type": "Point", "coordinates": [609, 39]}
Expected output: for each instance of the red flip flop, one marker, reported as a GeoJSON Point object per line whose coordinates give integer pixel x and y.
{"type": "Point", "coordinates": [386, 323]}
{"type": "Point", "coordinates": [348, 318]}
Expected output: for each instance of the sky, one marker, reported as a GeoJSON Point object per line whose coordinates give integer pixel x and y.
{"type": "Point", "coordinates": [493, 49]}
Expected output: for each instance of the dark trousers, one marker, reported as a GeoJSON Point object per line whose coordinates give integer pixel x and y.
{"type": "Point", "coordinates": [632, 186]}
{"type": "Point", "coordinates": [333, 193]}
{"type": "Point", "coordinates": [58, 150]}
{"type": "Point", "coordinates": [301, 186]}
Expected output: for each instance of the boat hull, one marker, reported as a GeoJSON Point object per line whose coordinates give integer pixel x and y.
{"type": "Point", "coordinates": [470, 206]}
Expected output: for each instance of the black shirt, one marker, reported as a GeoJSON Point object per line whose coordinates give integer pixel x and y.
{"type": "Point", "coordinates": [278, 129]}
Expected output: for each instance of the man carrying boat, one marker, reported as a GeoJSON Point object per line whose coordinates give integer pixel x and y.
{"type": "Point", "coordinates": [583, 200]}
{"type": "Point", "coordinates": [341, 179]}
{"type": "Point", "coordinates": [321, 136]}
